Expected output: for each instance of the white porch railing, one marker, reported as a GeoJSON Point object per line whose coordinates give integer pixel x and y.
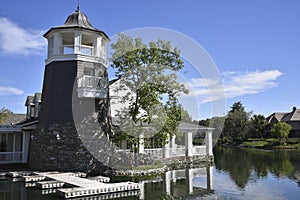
{"type": "Point", "coordinates": [11, 157]}
{"type": "Point", "coordinates": [199, 150]}
{"type": "Point", "coordinates": [157, 152]}
{"type": "Point", "coordinates": [173, 152]}
{"type": "Point", "coordinates": [177, 152]}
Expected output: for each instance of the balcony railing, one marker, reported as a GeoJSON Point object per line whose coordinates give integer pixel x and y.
{"type": "Point", "coordinates": [83, 49]}
{"type": "Point", "coordinates": [92, 87]}
{"type": "Point", "coordinates": [92, 82]}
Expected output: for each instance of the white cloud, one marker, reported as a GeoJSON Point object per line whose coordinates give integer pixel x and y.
{"type": "Point", "coordinates": [234, 84]}
{"type": "Point", "coordinates": [16, 40]}
{"type": "Point", "coordinates": [6, 91]}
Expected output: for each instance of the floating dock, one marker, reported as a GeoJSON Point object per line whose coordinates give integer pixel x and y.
{"type": "Point", "coordinates": [55, 182]}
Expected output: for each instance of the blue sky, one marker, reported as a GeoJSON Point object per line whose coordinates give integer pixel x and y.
{"type": "Point", "coordinates": [255, 44]}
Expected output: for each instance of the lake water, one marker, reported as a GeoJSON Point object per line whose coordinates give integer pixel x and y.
{"type": "Point", "coordinates": [236, 174]}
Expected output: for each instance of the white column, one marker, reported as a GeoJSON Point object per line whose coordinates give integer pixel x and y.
{"type": "Point", "coordinates": [36, 109]}
{"type": "Point", "coordinates": [168, 182]}
{"type": "Point", "coordinates": [189, 144]}
{"type": "Point", "coordinates": [173, 144]}
{"type": "Point", "coordinates": [209, 178]}
{"type": "Point", "coordinates": [141, 143]}
{"type": "Point", "coordinates": [14, 147]}
{"type": "Point", "coordinates": [208, 143]}
{"type": "Point", "coordinates": [28, 112]}
{"type": "Point", "coordinates": [189, 180]}
{"type": "Point", "coordinates": [174, 176]}
{"type": "Point", "coordinates": [142, 190]}
{"type": "Point", "coordinates": [77, 42]}
{"type": "Point", "coordinates": [57, 44]}
{"type": "Point", "coordinates": [26, 138]}
{"type": "Point", "coordinates": [166, 148]}
{"type": "Point", "coordinates": [23, 147]}
{"type": "Point", "coordinates": [97, 46]}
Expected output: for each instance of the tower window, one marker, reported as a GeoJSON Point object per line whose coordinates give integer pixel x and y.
{"type": "Point", "coordinates": [89, 71]}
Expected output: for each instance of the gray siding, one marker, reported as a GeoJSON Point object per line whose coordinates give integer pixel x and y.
{"type": "Point", "coordinates": [58, 84]}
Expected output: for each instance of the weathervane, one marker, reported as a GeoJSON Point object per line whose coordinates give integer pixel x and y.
{"type": "Point", "coordinates": [78, 6]}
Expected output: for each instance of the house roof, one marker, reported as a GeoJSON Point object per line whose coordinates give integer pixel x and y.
{"type": "Point", "coordinates": [292, 116]}
{"type": "Point", "coordinates": [277, 116]}
{"type": "Point", "coordinates": [14, 118]}
{"type": "Point", "coordinates": [29, 100]}
{"type": "Point", "coordinates": [37, 97]}
{"type": "Point", "coordinates": [285, 116]}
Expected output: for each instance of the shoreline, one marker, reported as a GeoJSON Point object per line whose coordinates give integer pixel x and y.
{"type": "Point", "coordinates": [265, 144]}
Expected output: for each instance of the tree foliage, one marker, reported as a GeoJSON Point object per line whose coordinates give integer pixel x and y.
{"type": "Point", "coordinates": [281, 130]}
{"type": "Point", "coordinates": [257, 126]}
{"type": "Point", "coordinates": [4, 113]}
{"type": "Point", "coordinates": [235, 126]}
{"type": "Point", "coordinates": [149, 71]}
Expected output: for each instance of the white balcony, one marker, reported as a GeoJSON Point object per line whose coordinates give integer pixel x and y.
{"type": "Point", "coordinates": [81, 49]}
{"type": "Point", "coordinates": [92, 87]}
{"type": "Point", "coordinates": [73, 52]}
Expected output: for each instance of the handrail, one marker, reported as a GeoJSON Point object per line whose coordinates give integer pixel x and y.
{"type": "Point", "coordinates": [92, 82]}
{"type": "Point", "coordinates": [83, 49]}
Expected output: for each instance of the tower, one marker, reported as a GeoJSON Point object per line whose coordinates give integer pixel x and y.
{"type": "Point", "coordinates": [76, 53]}
{"type": "Point", "coordinates": [75, 74]}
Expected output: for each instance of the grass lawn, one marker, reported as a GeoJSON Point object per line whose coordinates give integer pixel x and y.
{"type": "Point", "coordinates": [291, 143]}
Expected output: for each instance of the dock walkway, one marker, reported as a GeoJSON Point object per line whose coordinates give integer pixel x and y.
{"type": "Point", "coordinates": [78, 186]}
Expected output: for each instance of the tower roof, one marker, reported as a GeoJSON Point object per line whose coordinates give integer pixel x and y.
{"type": "Point", "coordinates": [77, 19]}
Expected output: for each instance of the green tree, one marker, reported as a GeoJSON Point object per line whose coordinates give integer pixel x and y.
{"type": "Point", "coordinates": [204, 122]}
{"type": "Point", "coordinates": [235, 125]}
{"type": "Point", "coordinates": [4, 113]}
{"type": "Point", "coordinates": [281, 130]}
{"type": "Point", "coordinates": [185, 116]}
{"type": "Point", "coordinates": [149, 71]}
{"type": "Point", "coordinates": [257, 126]}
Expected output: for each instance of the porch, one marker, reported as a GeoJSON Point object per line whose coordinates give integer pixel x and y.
{"type": "Point", "coordinates": [13, 144]}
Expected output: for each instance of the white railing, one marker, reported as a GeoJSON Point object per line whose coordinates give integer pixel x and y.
{"type": "Point", "coordinates": [177, 152]}
{"type": "Point", "coordinates": [124, 150]}
{"type": "Point", "coordinates": [173, 152]}
{"type": "Point", "coordinates": [92, 82]}
{"type": "Point", "coordinates": [199, 150]}
{"type": "Point", "coordinates": [157, 152]}
{"type": "Point", "coordinates": [11, 157]}
{"type": "Point", "coordinates": [83, 49]}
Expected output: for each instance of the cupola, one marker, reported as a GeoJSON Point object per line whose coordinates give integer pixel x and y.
{"type": "Point", "coordinates": [76, 39]}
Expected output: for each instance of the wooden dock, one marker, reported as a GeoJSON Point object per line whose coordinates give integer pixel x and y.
{"type": "Point", "coordinates": [55, 182]}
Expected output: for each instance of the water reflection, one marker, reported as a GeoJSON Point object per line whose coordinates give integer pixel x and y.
{"type": "Point", "coordinates": [237, 174]}
{"type": "Point", "coordinates": [183, 184]}
{"type": "Point", "coordinates": [244, 165]}
{"type": "Point", "coordinates": [179, 184]}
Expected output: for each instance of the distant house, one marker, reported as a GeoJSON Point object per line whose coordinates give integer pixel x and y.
{"type": "Point", "coordinates": [292, 118]}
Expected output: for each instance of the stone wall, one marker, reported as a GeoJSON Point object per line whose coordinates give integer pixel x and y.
{"type": "Point", "coordinates": [65, 146]}
{"type": "Point", "coordinates": [58, 147]}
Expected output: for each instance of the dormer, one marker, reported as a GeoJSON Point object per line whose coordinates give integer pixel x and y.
{"type": "Point", "coordinates": [37, 100]}
{"type": "Point", "coordinates": [76, 39]}
{"type": "Point", "coordinates": [30, 107]}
